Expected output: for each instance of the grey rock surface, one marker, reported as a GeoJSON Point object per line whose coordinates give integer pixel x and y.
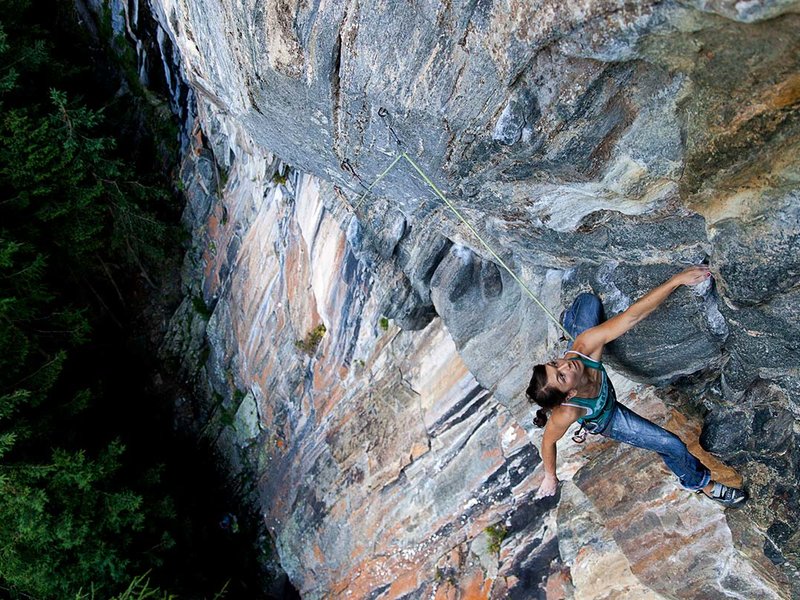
{"type": "Point", "coordinates": [759, 436]}
{"type": "Point", "coordinates": [596, 146]}
{"type": "Point", "coordinates": [758, 258]}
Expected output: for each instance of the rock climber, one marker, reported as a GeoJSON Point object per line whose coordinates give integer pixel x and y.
{"type": "Point", "coordinates": [576, 388]}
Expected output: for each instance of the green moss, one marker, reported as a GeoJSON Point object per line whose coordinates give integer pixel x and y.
{"type": "Point", "coordinates": [105, 26]}
{"type": "Point", "coordinates": [165, 127]}
{"type": "Point", "coordinates": [162, 123]}
{"type": "Point", "coordinates": [227, 416]}
{"type": "Point", "coordinates": [496, 533]}
{"type": "Point", "coordinates": [281, 178]}
{"type": "Point", "coordinates": [222, 175]}
{"type": "Point", "coordinates": [200, 307]}
{"type": "Point", "coordinates": [128, 63]}
{"type": "Point", "coordinates": [446, 576]}
{"type": "Point", "coordinates": [311, 342]}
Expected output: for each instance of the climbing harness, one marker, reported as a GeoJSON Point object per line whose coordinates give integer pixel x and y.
{"type": "Point", "coordinates": [384, 115]}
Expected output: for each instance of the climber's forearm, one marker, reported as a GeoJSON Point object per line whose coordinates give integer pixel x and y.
{"type": "Point", "coordinates": [595, 338]}
{"type": "Point", "coordinates": [637, 311]}
{"type": "Point", "coordinates": [549, 458]}
{"type": "Point", "coordinates": [549, 483]}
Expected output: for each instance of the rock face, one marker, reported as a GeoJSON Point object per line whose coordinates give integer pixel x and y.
{"type": "Point", "coordinates": [367, 365]}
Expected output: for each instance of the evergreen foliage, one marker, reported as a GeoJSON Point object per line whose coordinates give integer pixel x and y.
{"type": "Point", "coordinates": [73, 213]}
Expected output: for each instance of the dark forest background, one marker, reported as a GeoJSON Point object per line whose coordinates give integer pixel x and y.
{"type": "Point", "coordinates": [99, 497]}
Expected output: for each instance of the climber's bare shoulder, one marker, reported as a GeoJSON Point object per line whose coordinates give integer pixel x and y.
{"type": "Point", "coordinates": [590, 344]}
{"type": "Point", "coordinates": [562, 417]}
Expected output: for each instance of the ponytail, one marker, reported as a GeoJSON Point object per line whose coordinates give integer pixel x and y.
{"type": "Point", "coordinates": [541, 418]}
{"type": "Point", "coordinates": [545, 397]}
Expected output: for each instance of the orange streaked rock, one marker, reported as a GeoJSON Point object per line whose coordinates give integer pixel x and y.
{"type": "Point", "coordinates": [476, 588]}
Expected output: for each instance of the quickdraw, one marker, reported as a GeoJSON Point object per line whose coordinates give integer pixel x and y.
{"type": "Point", "coordinates": [384, 115]}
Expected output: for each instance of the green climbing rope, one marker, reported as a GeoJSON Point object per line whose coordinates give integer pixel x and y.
{"type": "Point", "coordinates": [374, 183]}
{"type": "Point", "coordinates": [461, 217]}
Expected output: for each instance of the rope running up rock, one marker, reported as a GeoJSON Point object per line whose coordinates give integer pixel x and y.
{"type": "Point", "coordinates": [403, 155]}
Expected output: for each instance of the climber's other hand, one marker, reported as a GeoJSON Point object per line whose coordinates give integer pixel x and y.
{"type": "Point", "coordinates": [548, 487]}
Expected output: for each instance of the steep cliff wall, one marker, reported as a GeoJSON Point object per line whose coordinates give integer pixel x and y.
{"type": "Point", "coordinates": [597, 146]}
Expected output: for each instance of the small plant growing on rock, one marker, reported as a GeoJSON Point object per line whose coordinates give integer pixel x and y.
{"type": "Point", "coordinates": [281, 178]}
{"type": "Point", "coordinates": [384, 323]}
{"type": "Point", "coordinates": [200, 307]}
{"type": "Point", "coordinates": [496, 533]}
{"type": "Point", "coordinates": [222, 178]}
{"type": "Point", "coordinates": [445, 576]}
{"type": "Point", "coordinates": [227, 416]}
{"type": "Point", "coordinates": [311, 342]}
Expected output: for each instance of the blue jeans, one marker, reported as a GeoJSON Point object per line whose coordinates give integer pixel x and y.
{"type": "Point", "coordinates": [585, 313]}
{"type": "Point", "coordinates": [628, 427]}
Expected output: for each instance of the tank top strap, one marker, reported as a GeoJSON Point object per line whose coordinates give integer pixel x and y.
{"type": "Point", "coordinates": [589, 362]}
{"type": "Point", "coordinates": [586, 407]}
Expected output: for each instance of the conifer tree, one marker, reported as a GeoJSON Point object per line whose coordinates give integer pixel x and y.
{"type": "Point", "coordinates": [69, 206]}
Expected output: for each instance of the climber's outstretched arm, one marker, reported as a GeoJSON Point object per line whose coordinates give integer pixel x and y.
{"type": "Point", "coordinates": [556, 427]}
{"type": "Point", "coordinates": [591, 341]}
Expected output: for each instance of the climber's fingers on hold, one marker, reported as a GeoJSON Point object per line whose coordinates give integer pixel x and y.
{"type": "Point", "coordinates": [694, 275]}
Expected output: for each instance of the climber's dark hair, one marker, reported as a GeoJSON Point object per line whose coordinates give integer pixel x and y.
{"type": "Point", "coordinates": [545, 397]}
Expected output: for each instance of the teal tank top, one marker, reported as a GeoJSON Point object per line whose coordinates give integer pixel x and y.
{"type": "Point", "coordinates": [600, 407]}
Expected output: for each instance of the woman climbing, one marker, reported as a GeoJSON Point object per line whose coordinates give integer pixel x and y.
{"type": "Point", "coordinates": [576, 388]}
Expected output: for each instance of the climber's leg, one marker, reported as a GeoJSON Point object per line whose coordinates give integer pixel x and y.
{"type": "Point", "coordinates": [586, 312]}
{"type": "Point", "coordinates": [628, 427]}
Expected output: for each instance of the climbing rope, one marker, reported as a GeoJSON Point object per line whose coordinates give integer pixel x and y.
{"type": "Point", "coordinates": [404, 155]}
{"type": "Point", "coordinates": [374, 183]}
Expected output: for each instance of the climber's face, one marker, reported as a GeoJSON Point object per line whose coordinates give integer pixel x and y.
{"type": "Point", "coordinates": [564, 375]}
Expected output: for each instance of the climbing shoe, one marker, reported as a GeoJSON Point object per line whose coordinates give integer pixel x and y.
{"type": "Point", "coordinates": [725, 495]}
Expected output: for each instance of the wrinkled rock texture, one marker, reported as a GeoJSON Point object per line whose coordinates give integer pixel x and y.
{"type": "Point", "coordinates": [598, 146]}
